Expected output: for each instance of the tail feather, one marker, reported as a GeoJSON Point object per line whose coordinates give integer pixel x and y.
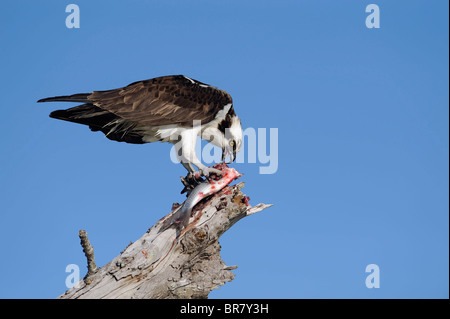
{"type": "Point", "coordinates": [80, 97]}
{"type": "Point", "coordinates": [87, 114]}
{"type": "Point", "coordinates": [114, 127]}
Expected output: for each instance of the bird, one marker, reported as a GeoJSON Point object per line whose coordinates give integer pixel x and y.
{"type": "Point", "coordinates": [174, 109]}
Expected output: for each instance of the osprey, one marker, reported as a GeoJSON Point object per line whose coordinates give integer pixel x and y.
{"type": "Point", "coordinates": [174, 109]}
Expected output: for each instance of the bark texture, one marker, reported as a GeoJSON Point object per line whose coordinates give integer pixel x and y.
{"type": "Point", "coordinates": [169, 263]}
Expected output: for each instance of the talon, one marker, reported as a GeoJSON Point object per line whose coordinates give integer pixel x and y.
{"type": "Point", "coordinates": [190, 182]}
{"type": "Point", "coordinates": [209, 170]}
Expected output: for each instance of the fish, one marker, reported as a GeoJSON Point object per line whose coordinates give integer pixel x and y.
{"type": "Point", "coordinates": [207, 188]}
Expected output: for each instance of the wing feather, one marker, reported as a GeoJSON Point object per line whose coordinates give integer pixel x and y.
{"type": "Point", "coordinates": [173, 99]}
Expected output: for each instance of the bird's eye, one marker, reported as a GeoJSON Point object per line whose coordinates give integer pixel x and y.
{"type": "Point", "coordinates": [231, 143]}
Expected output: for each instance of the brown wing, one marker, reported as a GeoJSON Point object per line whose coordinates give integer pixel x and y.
{"type": "Point", "coordinates": [172, 99]}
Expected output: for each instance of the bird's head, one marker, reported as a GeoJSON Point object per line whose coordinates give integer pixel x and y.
{"type": "Point", "coordinates": [227, 135]}
{"type": "Point", "coordinates": [232, 140]}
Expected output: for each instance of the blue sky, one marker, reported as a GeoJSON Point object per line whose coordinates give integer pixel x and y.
{"type": "Point", "coordinates": [362, 118]}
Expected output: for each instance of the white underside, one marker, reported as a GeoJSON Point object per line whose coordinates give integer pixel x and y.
{"type": "Point", "coordinates": [172, 134]}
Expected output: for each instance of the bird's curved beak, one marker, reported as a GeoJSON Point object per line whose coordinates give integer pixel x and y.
{"type": "Point", "coordinates": [226, 152]}
{"type": "Point", "coordinates": [232, 157]}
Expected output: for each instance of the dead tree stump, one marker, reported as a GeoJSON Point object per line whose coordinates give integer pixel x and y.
{"type": "Point", "coordinates": [167, 263]}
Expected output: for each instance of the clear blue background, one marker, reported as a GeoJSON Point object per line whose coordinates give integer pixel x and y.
{"type": "Point", "coordinates": [363, 128]}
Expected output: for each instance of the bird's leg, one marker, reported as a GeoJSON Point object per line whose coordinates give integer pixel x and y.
{"type": "Point", "coordinates": [188, 166]}
{"type": "Point", "coordinates": [189, 158]}
{"type": "Point", "coordinates": [186, 154]}
{"type": "Point", "coordinates": [190, 181]}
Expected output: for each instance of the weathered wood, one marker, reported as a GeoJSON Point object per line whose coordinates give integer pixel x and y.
{"type": "Point", "coordinates": [170, 263]}
{"type": "Point", "coordinates": [89, 253]}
